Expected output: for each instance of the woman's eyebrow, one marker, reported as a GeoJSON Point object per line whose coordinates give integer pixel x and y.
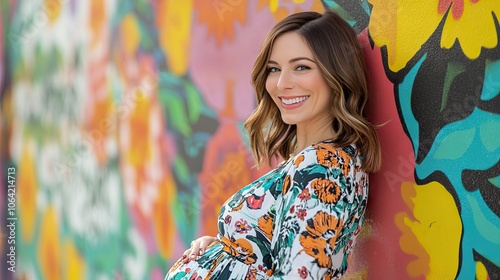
{"type": "Point", "coordinates": [301, 58]}
{"type": "Point", "coordinates": [293, 60]}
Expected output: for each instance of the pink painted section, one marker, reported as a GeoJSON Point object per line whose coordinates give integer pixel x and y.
{"type": "Point", "coordinates": [379, 251]}
{"type": "Point", "coordinates": [212, 66]}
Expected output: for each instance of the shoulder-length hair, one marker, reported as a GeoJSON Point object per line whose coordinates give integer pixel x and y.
{"type": "Point", "coordinates": [340, 58]}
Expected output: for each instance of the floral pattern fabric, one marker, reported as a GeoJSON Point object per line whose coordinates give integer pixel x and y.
{"type": "Point", "coordinates": [299, 221]}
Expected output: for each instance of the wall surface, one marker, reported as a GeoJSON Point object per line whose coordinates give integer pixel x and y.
{"type": "Point", "coordinates": [123, 122]}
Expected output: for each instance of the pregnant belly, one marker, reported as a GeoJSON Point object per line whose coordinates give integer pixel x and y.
{"type": "Point", "coordinates": [223, 259]}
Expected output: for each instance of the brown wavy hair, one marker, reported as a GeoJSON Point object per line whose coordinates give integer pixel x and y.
{"type": "Point", "coordinates": [340, 58]}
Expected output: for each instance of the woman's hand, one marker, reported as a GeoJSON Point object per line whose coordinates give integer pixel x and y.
{"type": "Point", "coordinates": [198, 247]}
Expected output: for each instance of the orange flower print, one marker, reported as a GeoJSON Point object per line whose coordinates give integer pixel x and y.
{"type": "Point", "coordinates": [322, 223]}
{"type": "Point", "coordinates": [325, 155]}
{"type": "Point", "coordinates": [239, 248]}
{"type": "Point", "coordinates": [327, 191]}
{"type": "Point", "coordinates": [316, 248]}
{"type": "Point", "coordinates": [298, 160]}
{"type": "Point", "coordinates": [332, 157]}
{"type": "Point", "coordinates": [265, 223]}
{"type": "Point", "coordinates": [286, 184]}
{"type": "Point", "coordinates": [345, 167]}
{"type": "Point", "coordinates": [303, 272]}
{"type": "Point", "coordinates": [318, 240]}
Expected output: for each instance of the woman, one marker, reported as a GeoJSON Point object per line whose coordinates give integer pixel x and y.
{"type": "Point", "coordinates": [300, 220]}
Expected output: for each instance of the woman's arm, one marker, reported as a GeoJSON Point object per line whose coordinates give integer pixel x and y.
{"type": "Point", "coordinates": [319, 216]}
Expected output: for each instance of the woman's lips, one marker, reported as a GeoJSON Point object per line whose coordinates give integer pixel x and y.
{"type": "Point", "coordinates": [293, 102]}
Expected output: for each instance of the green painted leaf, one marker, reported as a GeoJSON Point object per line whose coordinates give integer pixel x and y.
{"type": "Point", "coordinates": [455, 144]}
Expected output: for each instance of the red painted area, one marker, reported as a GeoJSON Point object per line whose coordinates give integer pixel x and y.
{"type": "Point", "coordinates": [457, 7]}
{"type": "Point", "coordinates": [379, 252]}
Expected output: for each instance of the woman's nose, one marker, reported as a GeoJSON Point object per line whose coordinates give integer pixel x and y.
{"type": "Point", "coordinates": [285, 80]}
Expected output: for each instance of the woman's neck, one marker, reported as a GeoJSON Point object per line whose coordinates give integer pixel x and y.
{"type": "Point", "coordinates": [308, 135]}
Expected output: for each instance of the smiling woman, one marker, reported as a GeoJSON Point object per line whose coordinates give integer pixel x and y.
{"type": "Point", "coordinates": [296, 85]}
{"type": "Point", "coordinates": [301, 219]}
{"type": "Point", "coordinates": [318, 53]}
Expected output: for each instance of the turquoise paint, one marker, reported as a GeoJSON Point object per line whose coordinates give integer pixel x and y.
{"type": "Point", "coordinates": [477, 235]}
{"type": "Point", "coordinates": [489, 133]}
{"type": "Point", "coordinates": [495, 181]}
{"type": "Point", "coordinates": [477, 157]}
{"type": "Point", "coordinates": [405, 89]}
{"type": "Point", "coordinates": [455, 144]}
{"type": "Point", "coordinates": [484, 226]}
{"type": "Point", "coordinates": [471, 143]}
{"type": "Point", "coordinates": [491, 86]}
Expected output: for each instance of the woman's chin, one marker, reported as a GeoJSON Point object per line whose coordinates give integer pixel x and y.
{"type": "Point", "coordinates": [289, 121]}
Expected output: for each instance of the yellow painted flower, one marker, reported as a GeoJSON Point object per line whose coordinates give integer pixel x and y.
{"type": "Point", "coordinates": [57, 261]}
{"type": "Point", "coordinates": [403, 26]}
{"type": "Point", "coordinates": [481, 272]}
{"type": "Point", "coordinates": [174, 27]}
{"type": "Point", "coordinates": [74, 262]}
{"type": "Point", "coordinates": [274, 4]}
{"type": "Point", "coordinates": [53, 9]}
{"type": "Point", "coordinates": [474, 27]}
{"type": "Point", "coordinates": [49, 248]}
{"type": "Point", "coordinates": [431, 230]}
{"type": "Point", "coordinates": [130, 34]}
{"type": "Point", "coordinates": [27, 193]}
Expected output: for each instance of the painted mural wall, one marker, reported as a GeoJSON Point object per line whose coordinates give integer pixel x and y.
{"type": "Point", "coordinates": [122, 121]}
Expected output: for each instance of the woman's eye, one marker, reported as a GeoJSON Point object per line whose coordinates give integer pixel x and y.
{"type": "Point", "coordinates": [272, 69]}
{"type": "Point", "coordinates": [302, 68]}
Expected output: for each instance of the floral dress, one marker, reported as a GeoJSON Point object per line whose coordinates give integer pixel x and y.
{"type": "Point", "coordinates": [298, 221]}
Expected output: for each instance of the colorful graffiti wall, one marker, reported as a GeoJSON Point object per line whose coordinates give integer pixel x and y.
{"type": "Point", "coordinates": [121, 124]}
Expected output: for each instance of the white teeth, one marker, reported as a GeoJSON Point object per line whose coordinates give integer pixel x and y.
{"type": "Point", "coordinates": [293, 100]}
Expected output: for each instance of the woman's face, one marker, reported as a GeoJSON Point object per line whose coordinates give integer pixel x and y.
{"type": "Point", "coordinates": [296, 83]}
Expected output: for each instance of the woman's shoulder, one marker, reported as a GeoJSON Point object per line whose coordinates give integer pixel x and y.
{"type": "Point", "coordinates": [322, 163]}
{"type": "Point", "coordinates": [327, 154]}
{"type": "Point", "coordinates": [331, 146]}
{"type": "Point", "coordinates": [324, 150]}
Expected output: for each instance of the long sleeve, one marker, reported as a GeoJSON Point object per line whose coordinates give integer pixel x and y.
{"type": "Point", "coordinates": [319, 214]}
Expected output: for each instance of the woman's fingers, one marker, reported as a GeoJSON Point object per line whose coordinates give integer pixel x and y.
{"type": "Point", "coordinates": [185, 256]}
{"type": "Point", "coordinates": [195, 249]}
{"type": "Point", "coordinates": [198, 248]}
{"type": "Point", "coordinates": [205, 241]}
{"type": "Point", "coordinates": [201, 249]}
